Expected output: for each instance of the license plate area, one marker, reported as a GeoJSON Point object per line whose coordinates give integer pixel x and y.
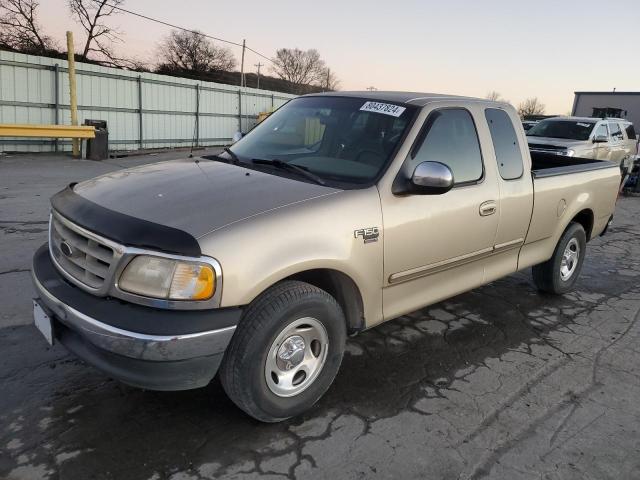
{"type": "Point", "coordinates": [43, 322]}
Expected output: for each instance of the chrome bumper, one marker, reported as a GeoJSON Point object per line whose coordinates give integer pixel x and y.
{"type": "Point", "coordinates": [136, 345]}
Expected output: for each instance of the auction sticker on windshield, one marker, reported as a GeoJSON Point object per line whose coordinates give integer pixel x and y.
{"type": "Point", "coordinates": [385, 108]}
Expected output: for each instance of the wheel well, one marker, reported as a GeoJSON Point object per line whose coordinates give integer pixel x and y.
{"type": "Point", "coordinates": [585, 218]}
{"type": "Point", "coordinates": [341, 287]}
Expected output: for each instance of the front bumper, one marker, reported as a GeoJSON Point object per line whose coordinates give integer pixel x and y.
{"type": "Point", "coordinates": [142, 346]}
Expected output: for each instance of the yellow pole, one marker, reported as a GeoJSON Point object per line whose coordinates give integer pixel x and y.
{"type": "Point", "coordinates": [73, 99]}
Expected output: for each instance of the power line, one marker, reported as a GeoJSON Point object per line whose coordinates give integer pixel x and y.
{"type": "Point", "coordinates": [243, 45]}
{"type": "Point", "coordinates": [162, 22]}
{"type": "Point", "coordinates": [261, 55]}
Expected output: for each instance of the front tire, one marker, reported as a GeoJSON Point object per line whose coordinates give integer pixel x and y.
{"type": "Point", "coordinates": [285, 352]}
{"type": "Point", "coordinates": [558, 274]}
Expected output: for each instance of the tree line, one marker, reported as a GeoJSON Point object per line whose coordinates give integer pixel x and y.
{"type": "Point", "coordinates": [187, 53]}
{"type": "Point", "coordinates": [529, 106]}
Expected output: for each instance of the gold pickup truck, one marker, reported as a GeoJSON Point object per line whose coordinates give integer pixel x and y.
{"type": "Point", "coordinates": [338, 212]}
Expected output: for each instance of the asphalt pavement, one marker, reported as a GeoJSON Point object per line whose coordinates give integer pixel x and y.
{"type": "Point", "coordinates": [501, 382]}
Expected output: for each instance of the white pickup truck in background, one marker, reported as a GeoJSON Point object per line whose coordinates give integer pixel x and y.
{"type": "Point", "coordinates": [612, 139]}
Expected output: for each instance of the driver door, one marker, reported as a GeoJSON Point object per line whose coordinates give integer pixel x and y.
{"type": "Point", "coordinates": [434, 244]}
{"type": "Point", "coordinates": [602, 151]}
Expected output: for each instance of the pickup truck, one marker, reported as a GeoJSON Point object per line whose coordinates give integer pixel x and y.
{"type": "Point", "coordinates": [611, 139]}
{"type": "Point", "coordinates": [338, 212]}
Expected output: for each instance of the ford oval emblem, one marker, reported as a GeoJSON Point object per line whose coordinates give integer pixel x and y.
{"type": "Point", "coordinates": [66, 249]}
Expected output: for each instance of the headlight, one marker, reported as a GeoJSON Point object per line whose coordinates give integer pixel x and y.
{"type": "Point", "coordinates": [567, 153]}
{"type": "Point", "coordinates": [168, 279]}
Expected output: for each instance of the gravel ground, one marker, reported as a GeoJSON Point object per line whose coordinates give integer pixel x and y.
{"type": "Point", "coordinates": [501, 382]}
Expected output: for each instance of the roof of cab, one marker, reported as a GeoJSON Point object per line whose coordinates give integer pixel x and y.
{"type": "Point", "coordinates": [413, 98]}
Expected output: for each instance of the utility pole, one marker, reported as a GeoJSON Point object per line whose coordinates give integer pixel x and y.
{"type": "Point", "coordinates": [73, 99]}
{"type": "Point", "coordinates": [258, 65]}
{"type": "Point", "coordinates": [328, 76]}
{"type": "Point", "coordinates": [244, 46]}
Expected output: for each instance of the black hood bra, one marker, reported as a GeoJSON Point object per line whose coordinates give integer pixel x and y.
{"type": "Point", "coordinates": [123, 228]}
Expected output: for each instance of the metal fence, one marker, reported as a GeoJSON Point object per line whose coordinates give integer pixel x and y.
{"type": "Point", "coordinates": [143, 110]}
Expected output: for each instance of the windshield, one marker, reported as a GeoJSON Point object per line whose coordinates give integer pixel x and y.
{"type": "Point", "coordinates": [336, 138]}
{"type": "Point", "coordinates": [567, 129]}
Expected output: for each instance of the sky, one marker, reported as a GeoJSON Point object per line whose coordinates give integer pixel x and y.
{"type": "Point", "coordinates": [543, 48]}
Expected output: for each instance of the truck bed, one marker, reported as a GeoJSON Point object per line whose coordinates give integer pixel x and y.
{"type": "Point", "coordinates": [550, 165]}
{"type": "Point", "coordinates": [590, 191]}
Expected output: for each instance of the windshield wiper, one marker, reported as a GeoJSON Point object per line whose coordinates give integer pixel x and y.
{"type": "Point", "coordinates": [233, 156]}
{"type": "Point", "coordinates": [234, 160]}
{"type": "Point", "coordinates": [291, 167]}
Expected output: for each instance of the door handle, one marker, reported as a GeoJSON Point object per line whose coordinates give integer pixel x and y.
{"type": "Point", "coordinates": [488, 208]}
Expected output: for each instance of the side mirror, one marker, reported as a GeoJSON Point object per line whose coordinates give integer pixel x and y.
{"type": "Point", "coordinates": [600, 139]}
{"type": "Point", "coordinates": [431, 178]}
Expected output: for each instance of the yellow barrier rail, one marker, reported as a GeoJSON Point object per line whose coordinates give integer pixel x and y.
{"type": "Point", "coordinates": [49, 131]}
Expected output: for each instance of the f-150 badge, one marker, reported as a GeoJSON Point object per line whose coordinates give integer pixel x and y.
{"type": "Point", "coordinates": [369, 234]}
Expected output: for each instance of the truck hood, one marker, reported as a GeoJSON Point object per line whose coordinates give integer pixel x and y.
{"type": "Point", "coordinates": [195, 196]}
{"type": "Point", "coordinates": [558, 142]}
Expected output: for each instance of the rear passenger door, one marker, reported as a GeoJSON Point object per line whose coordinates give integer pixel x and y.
{"type": "Point", "coordinates": [630, 145]}
{"type": "Point", "coordinates": [516, 191]}
{"type": "Point", "coordinates": [616, 142]}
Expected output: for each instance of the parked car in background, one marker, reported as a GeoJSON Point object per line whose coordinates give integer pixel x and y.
{"type": "Point", "coordinates": [527, 124]}
{"type": "Point", "coordinates": [338, 212]}
{"type": "Point", "coordinates": [610, 139]}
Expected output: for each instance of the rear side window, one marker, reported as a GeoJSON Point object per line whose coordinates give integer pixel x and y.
{"type": "Point", "coordinates": [505, 143]}
{"type": "Point", "coordinates": [602, 131]}
{"type": "Point", "coordinates": [616, 133]}
{"type": "Point", "coordinates": [449, 136]}
{"type": "Point", "coordinates": [631, 132]}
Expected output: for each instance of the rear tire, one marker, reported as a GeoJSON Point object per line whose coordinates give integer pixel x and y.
{"type": "Point", "coordinates": [558, 274]}
{"type": "Point", "coordinates": [285, 352]}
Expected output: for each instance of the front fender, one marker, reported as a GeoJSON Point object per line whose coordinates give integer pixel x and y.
{"type": "Point", "coordinates": [317, 234]}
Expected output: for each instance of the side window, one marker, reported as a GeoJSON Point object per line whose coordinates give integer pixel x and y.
{"type": "Point", "coordinates": [602, 130]}
{"type": "Point", "coordinates": [449, 136]}
{"type": "Point", "coordinates": [505, 143]}
{"type": "Point", "coordinates": [631, 132]}
{"type": "Point", "coordinates": [616, 133]}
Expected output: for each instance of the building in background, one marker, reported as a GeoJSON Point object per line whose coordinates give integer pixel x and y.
{"type": "Point", "coordinates": [608, 104]}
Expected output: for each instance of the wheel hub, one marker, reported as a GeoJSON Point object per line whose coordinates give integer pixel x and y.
{"type": "Point", "coordinates": [296, 357]}
{"type": "Point", "coordinates": [570, 259]}
{"type": "Point", "coordinates": [291, 353]}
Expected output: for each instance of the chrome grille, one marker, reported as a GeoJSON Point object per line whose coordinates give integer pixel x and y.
{"type": "Point", "coordinates": [80, 255]}
{"type": "Point", "coordinates": [546, 148]}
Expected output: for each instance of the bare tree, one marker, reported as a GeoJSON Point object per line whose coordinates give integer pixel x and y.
{"type": "Point", "coordinates": [300, 67]}
{"type": "Point", "coordinates": [531, 106]}
{"type": "Point", "coordinates": [20, 28]}
{"type": "Point", "coordinates": [186, 51]}
{"type": "Point", "coordinates": [91, 15]}
{"type": "Point", "coordinates": [329, 81]}
{"type": "Point", "coordinates": [494, 96]}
